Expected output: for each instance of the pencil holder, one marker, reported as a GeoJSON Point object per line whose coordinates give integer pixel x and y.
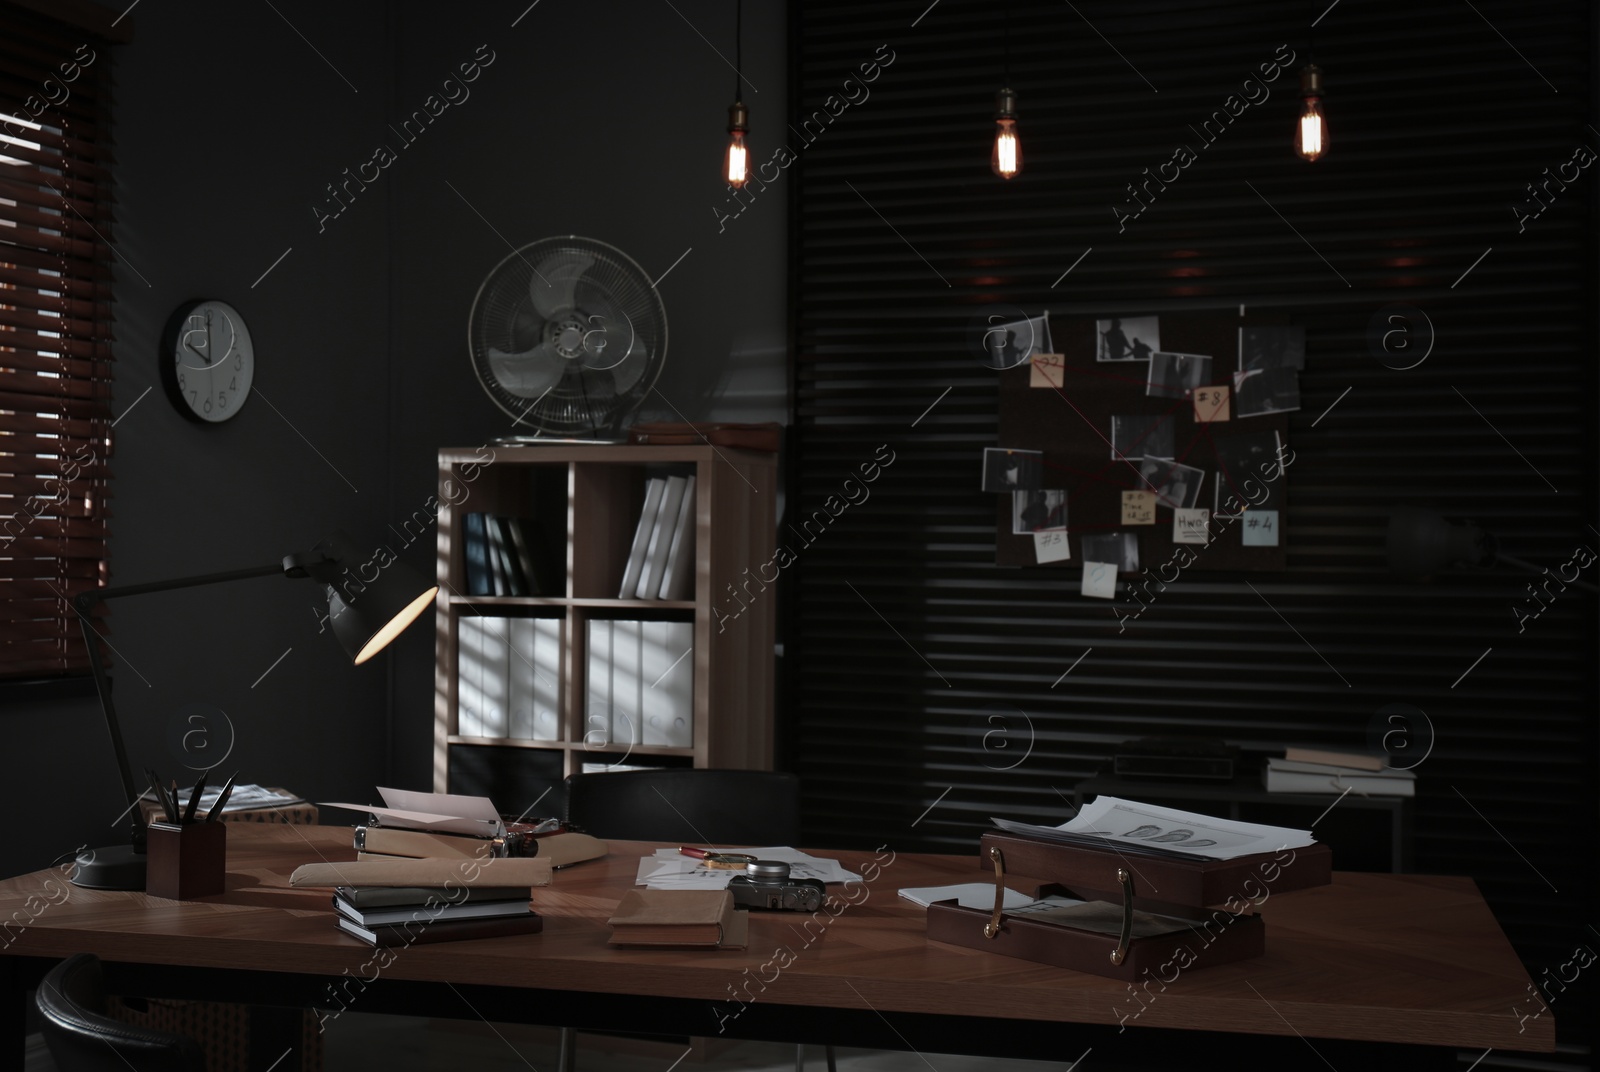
{"type": "Point", "coordinates": [185, 861]}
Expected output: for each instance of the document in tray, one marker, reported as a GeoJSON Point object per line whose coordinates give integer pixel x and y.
{"type": "Point", "coordinates": [968, 894]}
{"type": "Point", "coordinates": [1129, 826]}
{"type": "Point", "coordinates": [440, 813]}
{"type": "Point", "coordinates": [669, 869]}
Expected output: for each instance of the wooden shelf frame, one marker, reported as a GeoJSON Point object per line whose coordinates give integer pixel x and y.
{"type": "Point", "coordinates": [588, 499]}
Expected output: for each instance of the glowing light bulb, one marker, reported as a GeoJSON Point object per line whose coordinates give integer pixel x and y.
{"type": "Point", "coordinates": [1006, 159]}
{"type": "Point", "coordinates": [736, 163]}
{"type": "Point", "coordinates": [1311, 137]}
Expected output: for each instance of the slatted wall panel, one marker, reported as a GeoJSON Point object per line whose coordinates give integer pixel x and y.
{"type": "Point", "coordinates": [900, 628]}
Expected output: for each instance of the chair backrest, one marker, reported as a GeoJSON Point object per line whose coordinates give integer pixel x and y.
{"type": "Point", "coordinates": [694, 807]}
{"type": "Point", "coordinates": [72, 1001]}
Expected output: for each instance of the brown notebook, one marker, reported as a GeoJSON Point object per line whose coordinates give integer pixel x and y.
{"type": "Point", "coordinates": [700, 918]}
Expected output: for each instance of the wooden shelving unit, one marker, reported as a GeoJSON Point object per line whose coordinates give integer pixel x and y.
{"type": "Point", "coordinates": [587, 499]}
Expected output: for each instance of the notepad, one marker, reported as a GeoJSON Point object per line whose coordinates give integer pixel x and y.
{"type": "Point", "coordinates": [698, 918]}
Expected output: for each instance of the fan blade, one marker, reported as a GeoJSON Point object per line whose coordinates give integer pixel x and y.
{"type": "Point", "coordinates": [554, 285]}
{"type": "Point", "coordinates": [528, 374]}
{"type": "Point", "coordinates": [631, 368]}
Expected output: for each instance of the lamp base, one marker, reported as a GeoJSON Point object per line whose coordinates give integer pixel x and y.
{"type": "Point", "coordinates": [114, 867]}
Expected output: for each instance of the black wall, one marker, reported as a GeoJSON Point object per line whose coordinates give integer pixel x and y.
{"type": "Point", "coordinates": [905, 634]}
{"type": "Point", "coordinates": [602, 120]}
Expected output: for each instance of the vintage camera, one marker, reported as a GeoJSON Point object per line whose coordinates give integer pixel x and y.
{"type": "Point", "coordinates": [766, 884]}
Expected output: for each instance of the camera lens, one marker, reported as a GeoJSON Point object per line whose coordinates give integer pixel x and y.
{"type": "Point", "coordinates": [767, 870]}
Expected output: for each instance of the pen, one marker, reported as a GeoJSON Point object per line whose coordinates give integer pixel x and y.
{"type": "Point", "coordinates": [214, 812]}
{"type": "Point", "coordinates": [161, 795]}
{"type": "Point", "coordinates": [194, 798]}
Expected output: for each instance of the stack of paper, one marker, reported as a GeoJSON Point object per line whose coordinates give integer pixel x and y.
{"type": "Point", "coordinates": [669, 869]}
{"type": "Point", "coordinates": [1146, 829]}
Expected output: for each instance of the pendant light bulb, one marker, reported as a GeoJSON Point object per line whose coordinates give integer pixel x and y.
{"type": "Point", "coordinates": [736, 162]}
{"type": "Point", "coordinates": [1006, 159]}
{"type": "Point", "coordinates": [1311, 136]}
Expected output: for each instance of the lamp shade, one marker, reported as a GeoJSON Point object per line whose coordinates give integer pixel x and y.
{"type": "Point", "coordinates": [372, 598]}
{"type": "Point", "coordinates": [1423, 542]}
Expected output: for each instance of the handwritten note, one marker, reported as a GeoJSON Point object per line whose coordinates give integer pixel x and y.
{"type": "Point", "coordinates": [1100, 580]}
{"type": "Point", "coordinates": [1211, 404]}
{"type": "Point", "coordinates": [1047, 370]}
{"type": "Point", "coordinates": [1190, 526]}
{"type": "Point", "coordinates": [1051, 547]}
{"type": "Point", "coordinates": [1260, 528]}
{"type": "Point", "coordinates": [1138, 508]}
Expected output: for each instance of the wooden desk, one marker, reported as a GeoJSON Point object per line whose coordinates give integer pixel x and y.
{"type": "Point", "coordinates": [1401, 959]}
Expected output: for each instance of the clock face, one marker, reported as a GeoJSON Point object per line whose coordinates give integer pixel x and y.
{"type": "Point", "coordinates": [207, 360]}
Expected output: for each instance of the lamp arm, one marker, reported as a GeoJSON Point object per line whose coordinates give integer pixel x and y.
{"type": "Point", "coordinates": [83, 602]}
{"type": "Point", "coordinates": [1531, 568]}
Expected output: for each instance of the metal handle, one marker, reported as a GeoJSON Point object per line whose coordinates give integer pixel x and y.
{"type": "Point", "coordinates": [1121, 952]}
{"type": "Point", "coordinates": [992, 928]}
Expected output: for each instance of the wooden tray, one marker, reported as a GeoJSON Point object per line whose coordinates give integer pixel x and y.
{"type": "Point", "coordinates": [1219, 897]}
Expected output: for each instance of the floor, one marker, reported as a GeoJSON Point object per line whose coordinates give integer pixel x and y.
{"type": "Point", "coordinates": [357, 1042]}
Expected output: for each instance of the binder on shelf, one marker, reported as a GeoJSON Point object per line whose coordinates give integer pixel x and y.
{"type": "Point", "coordinates": [641, 537]}
{"type": "Point", "coordinates": [482, 679]}
{"type": "Point", "coordinates": [517, 583]}
{"type": "Point", "coordinates": [475, 555]}
{"type": "Point", "coordinates": [597, 708]}
{"type": "Point", "coordinates": [677, 582]}
{"type": "Point", "coordinates": [655, 562]}
{"type": "Point", "coordinates": [627, 688]}
{"type": "Point", "coordinates": [521, 540]}
{"type": "Point", "coordinates": [668, 684]}
{"type": "Point", "coordinates": [547, 678]}
{"type": "Point", "coordinates": [521, 674]}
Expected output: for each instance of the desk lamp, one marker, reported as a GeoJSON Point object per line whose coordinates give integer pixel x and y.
{"type": "Point", "coordinates": [1421, 543]}
{"type": "Point", "coordinates": [366, 614]}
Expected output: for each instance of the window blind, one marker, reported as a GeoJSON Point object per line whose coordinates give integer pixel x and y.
{"type": "Point", "coordinates": [56, 330]}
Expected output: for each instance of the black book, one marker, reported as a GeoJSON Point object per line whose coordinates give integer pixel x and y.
{"type": "Point", "coordinates": [517, 579]}
{"type": "Point", "coordinates": [429, 912]}
{"type": "Point", "coordinates": [475, 551]}
{"type": "Point", "coordinates": [390, 896]}
{"type": "Point", "coordinates": [442, 930]}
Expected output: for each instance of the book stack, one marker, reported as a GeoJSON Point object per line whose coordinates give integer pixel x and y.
{"type": "Point", "coordinates": [1310, 770]}
{"type": "Point", "coordinates": [507, 556]}
{"type": "Point", "coordinates": [640, 684]}
{"type": "Point", "coordinates": [508, 677]}
{"type": "Point", "coordinates": [661, 561]}
{"type": "Point", "coordinates": [386, 916]}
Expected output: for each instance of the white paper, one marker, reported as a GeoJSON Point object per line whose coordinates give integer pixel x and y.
{"type": "Point", "coordinates": [669, 869]}
{"type": "Point", "coordinates": [968, 894]}
{"type": "Point", "coordinates": [1100, 580]}
{"type": "Point", "coordinates": [440, 813]}
{"type": "Point", "coordinates": [1190, 526]}
{"type": "Point", "coordinates": [1131, 826]}
{"type": "Point", "coordinates": [1052, 546]}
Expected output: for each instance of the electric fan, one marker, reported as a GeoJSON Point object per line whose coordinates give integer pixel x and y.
{"type": "Point", "coordinates": [567, 336]}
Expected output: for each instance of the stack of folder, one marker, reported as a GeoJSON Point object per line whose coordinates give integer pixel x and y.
{"type": "Point", "coordinates": [403, 915]}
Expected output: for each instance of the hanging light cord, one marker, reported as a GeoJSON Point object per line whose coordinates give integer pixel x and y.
{"type": "Point", "coordinates": [738, 51]}
{"type": "Point", "coordinates": [1008, 45]}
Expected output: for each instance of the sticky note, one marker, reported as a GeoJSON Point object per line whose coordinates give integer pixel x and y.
{"type": "Point", "coordinates": [1211, 404]}
{"type": "Point", "coordinates": [1047, 370]}
{"type": "Point", "coordinates": [1051, 546]}
{"type": "Point", "coordinates": [1190, 526]}
{"type": "Point", "coordinates": [1100, 580]}
{"type": "Point", "coordinates": [1138, 508]}
{"type": "Point", "coordinates": [1259, 528]}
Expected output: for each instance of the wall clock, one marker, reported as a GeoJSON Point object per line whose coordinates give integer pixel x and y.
{"type": "Point", "coordinates": [207, 360]}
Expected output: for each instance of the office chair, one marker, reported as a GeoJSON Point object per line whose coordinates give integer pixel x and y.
{"type": "Point", "coordinates": [725, 808]}
{"type": "Point", "coordinates": [693, 807]}
{"type": "Point", "coordinates": [82, 1038]}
